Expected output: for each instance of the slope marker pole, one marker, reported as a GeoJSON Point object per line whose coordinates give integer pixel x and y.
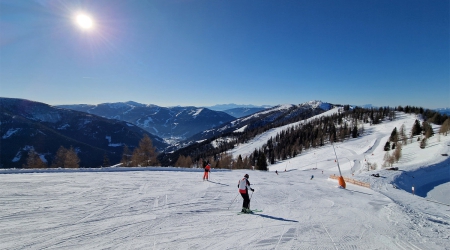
{"type": "Point", "coordinates": [341, 179]}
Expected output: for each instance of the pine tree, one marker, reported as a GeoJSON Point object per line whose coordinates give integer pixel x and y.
{"type": "Point", "coordinates": [416, 129]}
{"type": "Point", "coordinates": [394, 136]}
{"type": "Point", "coordinates": [387, 146]}
{"type": "Point", "coordinates": [239, 163]}
{"type": "Point", "coordinates": [355, 132]}
{"type": "Point", "coordinates": [262, 162]}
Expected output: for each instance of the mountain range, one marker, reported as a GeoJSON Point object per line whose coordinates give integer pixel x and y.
{"type": "Point", "coordinates": [170, 123]}
{"type": "Point", "coordinates": [27, 125]}
{"type": "Point", "coordinates": [230, 106]}
{"type": "Point", "coordinates": [277, 115]}
{"type": "Point", "coordinates": [95, 131]}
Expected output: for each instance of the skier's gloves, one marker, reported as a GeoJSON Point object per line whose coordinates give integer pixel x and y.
{"type": "Point", "coordinates": [252, 189]}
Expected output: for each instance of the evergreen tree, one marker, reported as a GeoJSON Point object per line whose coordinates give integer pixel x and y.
{"type": "Point", "coordinates": [262, 162]}
{"type": "Point", "coordinates": [394, 136]}
{"type": "Point", "coordinates": [239, 163]}
{"type": "Point", "coordinates": [387, 146]}
{"type": "Point", "coordinates": [416, 129]}
{"type": "Point", "coordinates": [355, 132]}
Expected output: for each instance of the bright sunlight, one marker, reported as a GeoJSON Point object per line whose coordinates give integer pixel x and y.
{"type": "Point", "coordinates": [84, 21]}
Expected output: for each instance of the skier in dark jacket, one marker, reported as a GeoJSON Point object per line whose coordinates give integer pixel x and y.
{"type": "Point", "coordinates": [244, 186]}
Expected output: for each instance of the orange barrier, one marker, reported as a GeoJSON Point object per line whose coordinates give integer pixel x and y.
{"type": "Point", "coordinates": [349, 180]}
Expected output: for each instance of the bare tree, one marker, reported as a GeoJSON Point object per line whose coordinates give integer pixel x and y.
{"type": "Point", "coordinates": [397, 152]}
{"type": "Point", "coordinates": [34, 161]}
{"type": "Point", "coordinates": [145, 154]}
{"type": "Point", "coordinates": [423, 143]}
{"type": "Point", "coordinates": [71, 160]}
{"type": "Point", "coordinates": [226, 160]}
{"type": "Point", "coordinates": [184, 162]}
{"type": "Point", "coordinates": [58, 161]}
{"type": "Point", "coordinates": [403, 136]}
{"type": "Point", "coordinates": [445, 127]}
{"type": "Point", "coordinates": [126, 157]}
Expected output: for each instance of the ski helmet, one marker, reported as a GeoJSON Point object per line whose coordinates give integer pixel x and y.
{"type": "Point", "coordinates": [246, 176]}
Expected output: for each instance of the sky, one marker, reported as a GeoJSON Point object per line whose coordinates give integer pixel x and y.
{"type": "Point", "coordinates": [173, 208]}
{"type": "Point", "coordinates": [202, 53]}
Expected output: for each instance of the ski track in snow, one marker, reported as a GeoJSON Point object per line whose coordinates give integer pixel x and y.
{"type": "Point", "coordinates": [176, 210]}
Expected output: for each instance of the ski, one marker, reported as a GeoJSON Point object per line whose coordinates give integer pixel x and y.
{"type": "Point", "coordinates": [253, 211]}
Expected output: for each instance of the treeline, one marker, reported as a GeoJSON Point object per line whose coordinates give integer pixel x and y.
{"type": "Point", "coordinates": [64, 158]}
{"type": "Point", "coordinates": [346, 124]}
{"type": "Point", "coordinates": [144, 155]}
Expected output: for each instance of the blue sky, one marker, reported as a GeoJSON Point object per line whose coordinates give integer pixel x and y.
{"type": "Point", "coordinates": [203, 52]}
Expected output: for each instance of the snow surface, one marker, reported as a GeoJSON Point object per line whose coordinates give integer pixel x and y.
{"type": "Point", "coordinates": [10, 132]}
{"type": "Point", "coordinates": [148, 208]}
{"type": "Point", "coordinates": [196, 112]}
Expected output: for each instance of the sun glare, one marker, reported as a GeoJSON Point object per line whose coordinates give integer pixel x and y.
{"type": "Point", "coordinates": [84, 21]}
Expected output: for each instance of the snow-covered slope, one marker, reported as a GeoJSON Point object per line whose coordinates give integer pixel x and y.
{"type": "Point", "coordinates": [256, 143]}
{"type": "Point", "coordinates": [281, 114]}
{"type": "Point", "coordinates": [302, 207]}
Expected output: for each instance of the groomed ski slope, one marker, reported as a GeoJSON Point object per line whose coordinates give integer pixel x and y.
{"type": "Point", "coordinates": [177, 210]}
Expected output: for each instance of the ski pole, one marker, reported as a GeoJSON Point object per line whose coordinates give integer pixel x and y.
{"type": "Point", "coordinates": [232, 201]}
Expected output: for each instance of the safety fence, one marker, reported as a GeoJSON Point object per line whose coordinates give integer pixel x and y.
{"type": "Point", "coordinates": [352, 181]}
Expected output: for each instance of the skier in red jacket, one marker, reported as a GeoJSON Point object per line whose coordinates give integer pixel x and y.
{"type": "Point", "coordinates": [207, 169]}
{"type": "Point", "coordinates": [244, 186]}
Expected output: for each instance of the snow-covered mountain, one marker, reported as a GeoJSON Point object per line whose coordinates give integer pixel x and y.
{"type": "Point", "coordinates": [26, 124]}
{"type": "Point", "coordinates": [444, 111]}
{"type": "Point", "coordinates": [225, 107]}
{"type": "Point", "coordinates": [170, 123]}
{"type": "Point", "coordinates": [242, 112]}
{"type": "Point", "coordinates": [277, 115]}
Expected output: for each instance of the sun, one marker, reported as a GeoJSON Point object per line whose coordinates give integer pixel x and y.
{"type": "Point", "coordinates": [84, 21]}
